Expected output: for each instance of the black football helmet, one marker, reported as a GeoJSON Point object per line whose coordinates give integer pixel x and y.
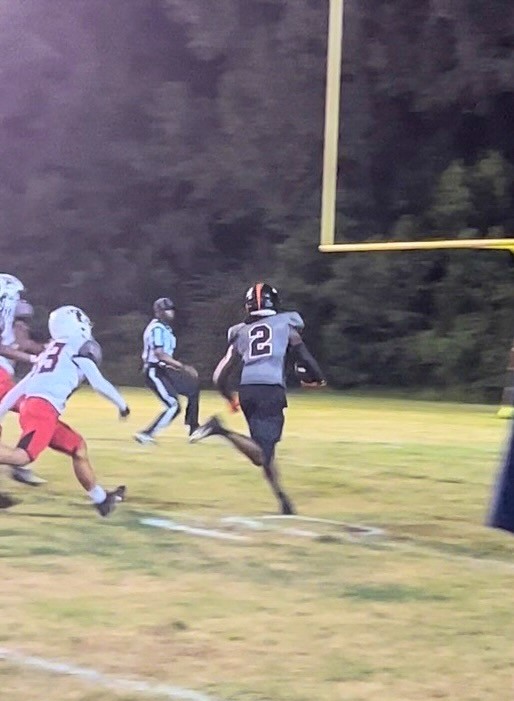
{"type": "Point", "coordinates": [260, 297]}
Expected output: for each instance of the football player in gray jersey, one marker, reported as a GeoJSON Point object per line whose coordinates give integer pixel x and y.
{"type": "Point", "coordinates": [258, 347]}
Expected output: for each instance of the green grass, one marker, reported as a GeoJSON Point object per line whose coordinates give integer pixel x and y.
{"type": "Point", "coordinates": [422, 613]}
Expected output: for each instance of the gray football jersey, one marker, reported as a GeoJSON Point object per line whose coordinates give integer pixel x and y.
{"type": "Point", "coordinates": [263, 345]}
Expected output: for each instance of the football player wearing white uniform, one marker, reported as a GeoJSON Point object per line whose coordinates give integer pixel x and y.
{"type": "Point", "coordinates": [69, 359]}
{"type": "Point", "coordinates": [258, 347]}
{"type": "Point", "coordinates": [14, 344]}
{"type": "Point", "coordinates": [165, 375]}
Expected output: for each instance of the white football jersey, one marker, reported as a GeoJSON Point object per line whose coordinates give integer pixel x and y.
{"type": "Point", "coordinates": [7, 337]}
{"type": "Point", "coordinates": [58, 372]}
{"type": "Point", "coordinates": [56, 375]}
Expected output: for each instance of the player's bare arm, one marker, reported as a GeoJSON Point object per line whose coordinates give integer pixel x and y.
{"type": "Point", "coordinates": [227, 368]}
{"type": "Point", "coordinates": [301, 354]}
{"type": "Point", "coordinates": [24, 342]}
{"type": "Point", "coordinates": [101, 385]}
{"type": "Point", "coordinates": [17, 355]}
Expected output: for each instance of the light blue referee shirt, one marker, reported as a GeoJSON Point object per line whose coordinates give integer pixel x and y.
{"type": "Point", "coordinates": [157, 335]}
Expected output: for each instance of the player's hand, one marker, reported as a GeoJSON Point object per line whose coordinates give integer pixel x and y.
{"type": "Point", "coordinates": [124, 412]}
{"type": "Point", "coordinates": [233, 403]}
{"type": "Point", "coordinates": [314, 385]}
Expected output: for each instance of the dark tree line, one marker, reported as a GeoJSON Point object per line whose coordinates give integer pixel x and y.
{"type": "Point", "coordinates": [153, 147]}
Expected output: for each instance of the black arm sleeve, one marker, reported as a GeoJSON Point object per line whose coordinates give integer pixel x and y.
{"type": "Point", "coordinates": [299, 352]}
{"type": "Point", "coordinates": [228, 372]}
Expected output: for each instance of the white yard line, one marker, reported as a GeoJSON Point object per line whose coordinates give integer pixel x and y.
{"type": "Point", "coordinates": [92, 676]}
{"type": "Point", "coordinates": [270, 523]}
{"type": "Point", "coordinates": [168, 525]}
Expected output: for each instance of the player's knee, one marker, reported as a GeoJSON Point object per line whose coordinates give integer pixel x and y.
{"type": "Point", "coordinates": [80, 451]}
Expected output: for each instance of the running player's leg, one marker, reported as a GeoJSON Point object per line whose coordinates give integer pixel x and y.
{"type": "Point", "coordinates": [19, 472]}
{"type": "Point", "coordinates": [244, 444]}
{"type": "Point", "coordinates": [37, 420]}
{"type": "Point", "coordinates": [158, 381]}
{"type": "Point", "coordinates": [66, 440]}
{"type": "Point", "coordinates": [272, 475]}
{"type": "Point", "coordinates": [264, 411]}
{"type": "Point", "coordinates": [188, 386]}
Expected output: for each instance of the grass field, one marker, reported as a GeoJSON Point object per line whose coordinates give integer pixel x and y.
{"type": "Point", "coordinates": [422, 612]}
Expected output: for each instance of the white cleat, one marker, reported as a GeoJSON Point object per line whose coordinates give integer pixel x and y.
{"type": "Point", "coordinates": [144, 438]}
{"type": "Point", "coordinates": [26, 476]}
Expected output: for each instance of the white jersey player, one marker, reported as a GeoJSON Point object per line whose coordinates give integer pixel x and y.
{"type": "Point", "coordinates": [69, 359]}
{"type": "Point", "coordinates": [10, 350]}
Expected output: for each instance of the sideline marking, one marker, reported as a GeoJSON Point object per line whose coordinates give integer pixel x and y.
{"type": "Point", "coordinates": [92, 676]}
{"type": "Point", "coordinates": [168, 525]}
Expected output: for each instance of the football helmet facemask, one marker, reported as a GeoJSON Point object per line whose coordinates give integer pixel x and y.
{"type": "Point", "coordinates": [92, 350]}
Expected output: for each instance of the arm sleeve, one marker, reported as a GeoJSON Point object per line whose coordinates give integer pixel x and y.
{"type": "Point", "coordinates": [13, 395]}
{"type": "Point", "coordinates": [99, 383]}
{"type": "Point", "coordinates": [226, 368]}
{"type": "Point", "coordinates": [299, 352]}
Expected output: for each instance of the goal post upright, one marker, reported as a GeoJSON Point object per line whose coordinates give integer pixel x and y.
{"type": "Point", "coordinates": [327, 243]}
{"type": "Point", "coordinates": [332, 107]}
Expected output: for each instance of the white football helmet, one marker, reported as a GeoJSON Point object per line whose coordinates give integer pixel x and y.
{"type": "Point", "coordinates": [69, 322]}
{"type": "Point", "coordinates": [11, 287]}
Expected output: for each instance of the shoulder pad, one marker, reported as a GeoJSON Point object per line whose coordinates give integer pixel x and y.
{"type": "Point", "coordinates": [233, 331]}
{"type": "Point", "coordinates": [295, 320]}
{"type": "Point", "coordinates": [91, 349]}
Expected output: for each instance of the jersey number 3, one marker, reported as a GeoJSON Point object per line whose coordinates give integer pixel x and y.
{"type": "Point", "coordinates": [52, 358]}
{"type": "Point", "coordinates": [260, 341]}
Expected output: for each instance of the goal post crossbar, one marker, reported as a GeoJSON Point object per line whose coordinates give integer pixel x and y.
{"type": "Point", "coordinates": [435, 244]}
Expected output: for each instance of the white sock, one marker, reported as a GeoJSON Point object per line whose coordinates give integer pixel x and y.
{"type": "Point", "coordinates": [97, 494]}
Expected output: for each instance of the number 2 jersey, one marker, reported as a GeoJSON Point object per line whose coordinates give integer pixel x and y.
{"type": "Point", "coordinates": [59, 371]}
{"type": "Point", "coordinates": [260, 346]}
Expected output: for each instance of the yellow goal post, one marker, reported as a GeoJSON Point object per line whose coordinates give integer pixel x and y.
{"type": "Point", "coordinates": [330, 164]}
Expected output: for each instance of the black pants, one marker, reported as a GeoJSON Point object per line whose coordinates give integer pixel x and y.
{"type": "Point", "coordinates": [168, 384]}
{"type": "Point", "coordinates": [263, 407]}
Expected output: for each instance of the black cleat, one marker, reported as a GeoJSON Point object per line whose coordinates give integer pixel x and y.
{"type": "Point", "coordinates": [287, 506]}
{"type": "Point", "coordinates": [6, 501]}
{"type": "Point", "coordinates": [212, 427]}
{"type": "Point", "coordinates": [108, 505]}
{"type": "Point", "coordinates": [26, 476]}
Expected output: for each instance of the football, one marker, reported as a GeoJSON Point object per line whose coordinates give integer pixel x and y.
{"type": "Point", "coordinates": [303, 374]}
